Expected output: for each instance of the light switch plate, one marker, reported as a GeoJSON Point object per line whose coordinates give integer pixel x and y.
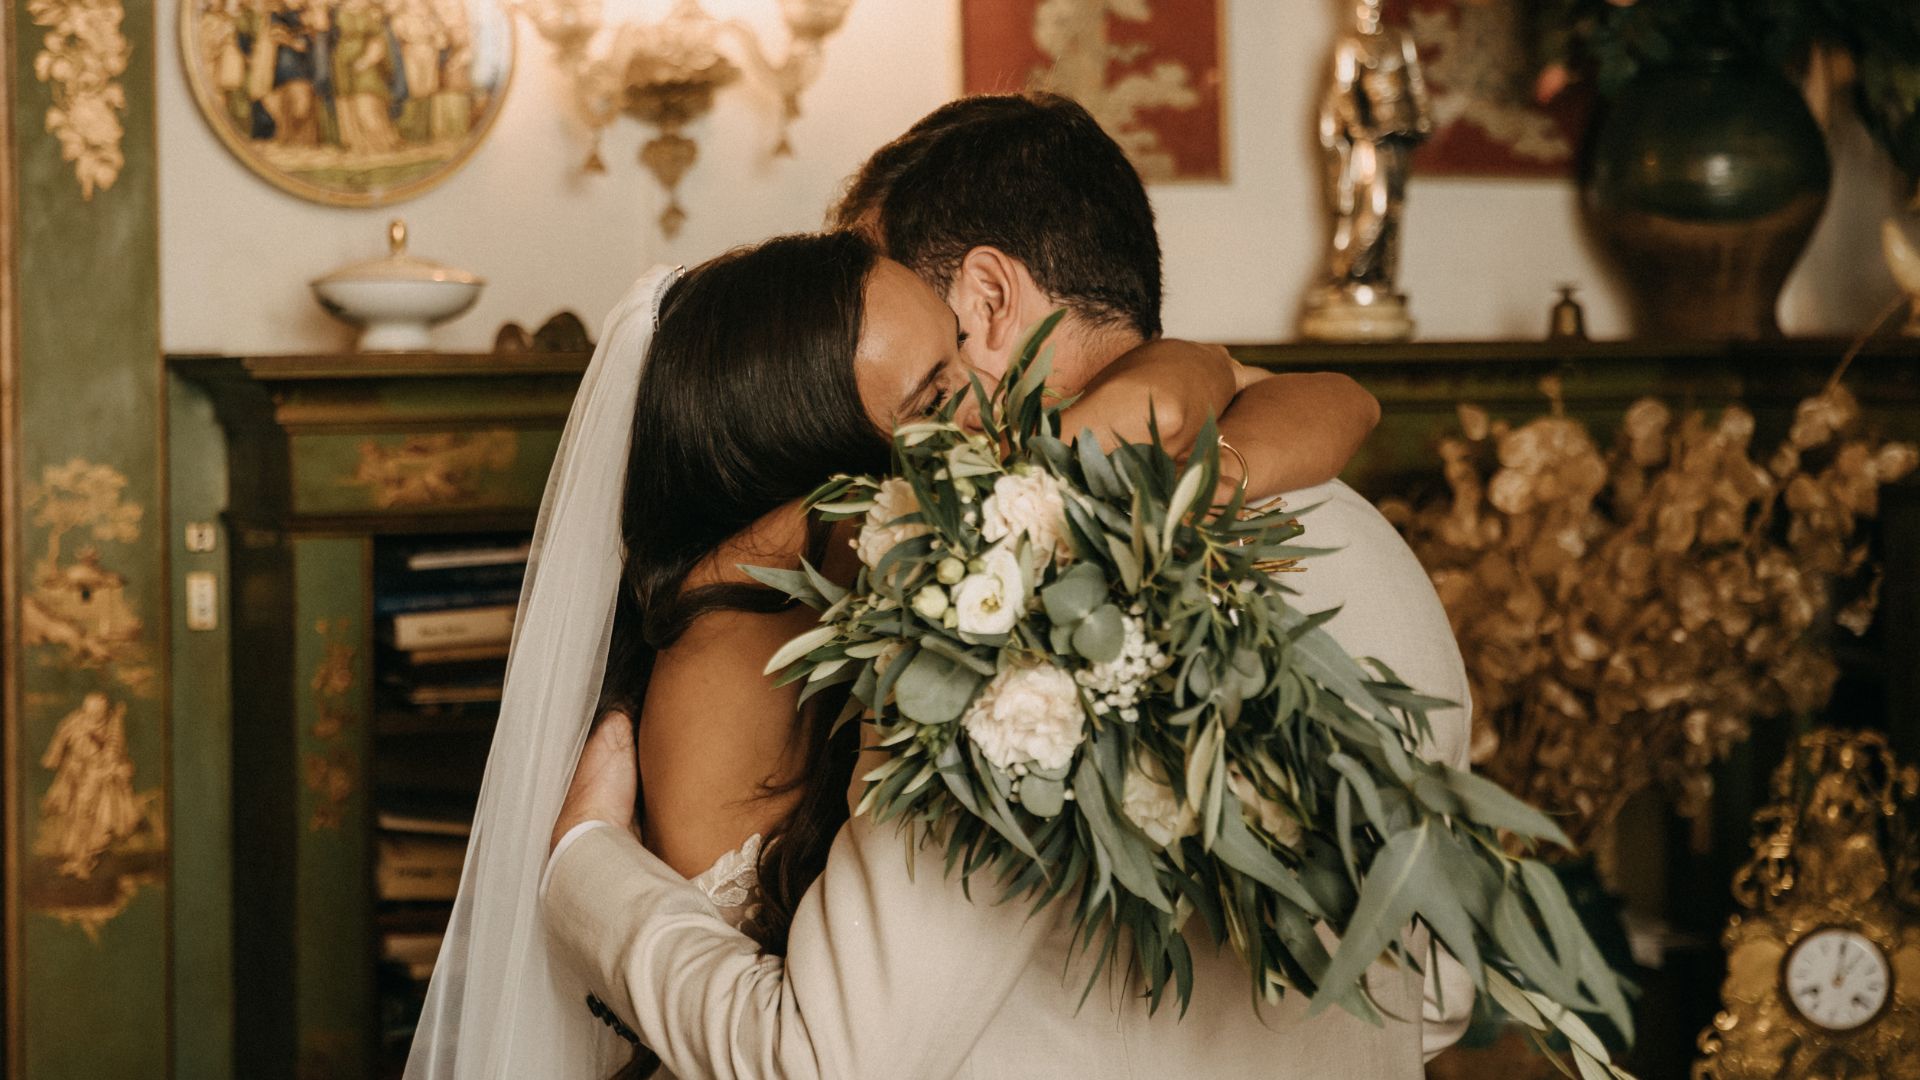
{"type": "Point", "coordinates": [203, 600]}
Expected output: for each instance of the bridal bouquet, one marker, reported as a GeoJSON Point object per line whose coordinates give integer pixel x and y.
{"type": "Point", "coordinates": [1092, 684]}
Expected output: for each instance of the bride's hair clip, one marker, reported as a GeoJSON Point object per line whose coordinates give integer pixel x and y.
{"type": "Point", "coordinates": [660, 291]}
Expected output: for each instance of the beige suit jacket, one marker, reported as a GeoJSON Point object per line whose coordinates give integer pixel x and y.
{"type": "Point", "coordinates": [895, 974]}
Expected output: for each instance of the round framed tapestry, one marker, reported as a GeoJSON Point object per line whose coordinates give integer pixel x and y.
{"type": "Point", "coordinates": [349, 102]}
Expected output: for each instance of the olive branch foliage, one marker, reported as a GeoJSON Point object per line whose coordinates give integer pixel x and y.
{"type": "Point", "coordinates": [1254, 690]}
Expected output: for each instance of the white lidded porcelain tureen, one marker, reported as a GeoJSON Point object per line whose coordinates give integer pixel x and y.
{"type": "Point", "coordinates": [397, 300]}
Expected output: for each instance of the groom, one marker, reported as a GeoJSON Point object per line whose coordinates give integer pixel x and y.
{"type": "Point", "coordinates": [1011, 207]}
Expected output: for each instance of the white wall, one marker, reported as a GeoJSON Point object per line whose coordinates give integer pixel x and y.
{"type": "Point", "coordinates": [1480, 261]}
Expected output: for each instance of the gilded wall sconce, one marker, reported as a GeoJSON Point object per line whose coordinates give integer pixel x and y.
{"type": "Point", "coordinates": [665, 73]}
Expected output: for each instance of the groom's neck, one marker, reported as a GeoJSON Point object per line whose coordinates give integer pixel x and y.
{"type": "Point", "coordinates": [1088, 350]}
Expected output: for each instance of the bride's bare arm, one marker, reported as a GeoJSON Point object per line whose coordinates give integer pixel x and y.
{"type": "Point", "coordinates": [714, 736]}
{"type": "Point", "coordinates": [1295, 429]}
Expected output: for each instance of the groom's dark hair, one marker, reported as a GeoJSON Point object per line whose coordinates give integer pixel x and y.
{"type": "Point", "coordinates": [1031, 174]}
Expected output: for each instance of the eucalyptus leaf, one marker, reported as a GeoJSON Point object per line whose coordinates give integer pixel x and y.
{"type": "Point", "coordinates": [1101, 635]}
{"type": "Point", "coordinates": [1492, 805]}
{"type": "Point", "coordinates": [934, 689]}
{"type": "Point", "coordinates": [1389, 895]}
{"type": "Point", "coordinates": [1075, 594]}
{"type": "Point", "coordinates": [1041, 796]}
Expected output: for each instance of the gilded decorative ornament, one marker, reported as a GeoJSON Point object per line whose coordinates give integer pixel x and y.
{"type": "Point", "coordinates": [99, 840]}
{"type": "Point", "coordinates": [665, 73]}
{"type": "Point", "coordinates": [433, 470]}
{"type": "Point", "coordinates": [1823, 960]}
{"type": "Point", "coordinates": [330, 768]}
{"type": "Point", "coordinates": [81, 57]}
{"type": "Point", "coordinates": [1626, 613]}
{"type": "Point", "coordinates": [78, 604]}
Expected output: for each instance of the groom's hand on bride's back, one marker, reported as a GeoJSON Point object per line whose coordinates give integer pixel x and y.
{"type": "Point", "coordinates": [606, 783]}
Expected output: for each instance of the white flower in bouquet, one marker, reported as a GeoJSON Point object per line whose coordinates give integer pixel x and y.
{"type": "Point", "coordinates": [893, 500]}
{"type": "Point", "coordinates": [1029, 504]}
{"type": "Point", "coordinates": [1276, 820]}
{"type": "Point", "coordinates": [1149, 802]}
{"type": "Point", "coordinates": [990, 600]}
{"type": "Point", "coordinates": [1115, 685]}
{"type": "Point", "coordinates": [1028, 714]}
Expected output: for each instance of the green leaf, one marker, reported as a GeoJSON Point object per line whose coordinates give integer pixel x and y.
{"type": "Point", "coordinates": [1101, 479]}
{"type": "Point", "coordinates": [1389, 895]}
{"type": "Point", "coordinates": [1132, 861]}
{"type": "Point", "coordinates": [832, 592]}
{"type": "Point", "coordinates": [934, 689]}
{"type": "Point", "coordinates": [1182, 500]}
{"type": "Point", "coordinates": [958, 654]}
{"type": "Point", "coordinates": [953, 770]}
{"type": "Point", "coordinates": [1363, 788]}
{"type": "Point", "coordinates": [995, 811]}
{"type": "Point", "coordinates": [1125, 561]}
{"type": "Point", "coordinates": [799, 647]}
{"type": "Point", "coordinates": [1101, 635]}
{"type": "Point", "coordinates": [1490, 804]}
{"type": "Point", "coordinates": [1041, 796]}
{"type": "Point", "coordinates": [792, 582]}
{"type": "Point", "coordinates": [1077, 592]}
{"type": "Point", "coordinates": [1514, 933]}
{"type": "Point", "coordinates": [1240, 849]}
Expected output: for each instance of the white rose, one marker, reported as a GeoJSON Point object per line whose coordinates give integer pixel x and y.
{"type": "Point", "coordinates": [990, 602]}
{"type": "Point", "coordinates": [878, 535]}
{"type": "Point", "coordinates": [1277, 820]}
{"type": "Point", "coordinates": [1028, 504]}
{"type": "Point", "coordinates": [1027, 715]}
{"type": "Point", "coordinates": [1149, 802]}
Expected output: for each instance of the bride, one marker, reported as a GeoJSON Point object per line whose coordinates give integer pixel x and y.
{"type": "Point", "coordinates": [717, 400]}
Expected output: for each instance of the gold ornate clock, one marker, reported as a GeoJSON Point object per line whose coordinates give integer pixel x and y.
{"type": "Point", "coordinates": [1823, 963]}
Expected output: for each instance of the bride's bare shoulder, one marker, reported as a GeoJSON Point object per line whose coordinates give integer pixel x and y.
{"type": "Point", "coordinates": [715, 734]}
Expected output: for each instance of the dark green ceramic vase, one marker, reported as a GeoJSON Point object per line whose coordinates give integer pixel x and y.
{"type": "Point", "coordinates": [1704, 181]}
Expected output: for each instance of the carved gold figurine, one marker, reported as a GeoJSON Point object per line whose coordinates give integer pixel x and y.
{"type": "Point", "coordinates": [1823, 960]}
{"type": "Point", "coordinates": [1374, 113]}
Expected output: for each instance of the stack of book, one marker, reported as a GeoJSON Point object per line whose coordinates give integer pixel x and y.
{"type": "Point", "coordinates": [446, 618]}
{"type": "Point", "coordinates": [419, 855]}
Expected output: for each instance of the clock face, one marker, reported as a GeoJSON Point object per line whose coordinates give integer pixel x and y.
{"type": "Point", "coordinates": [1837, 979]}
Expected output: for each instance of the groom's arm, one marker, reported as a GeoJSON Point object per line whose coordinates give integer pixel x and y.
{"type": "Point", "coordinates": [886, 975]}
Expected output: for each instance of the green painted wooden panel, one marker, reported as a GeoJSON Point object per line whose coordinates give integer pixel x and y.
{"type": "Point", "coordinates": [90, 780]}
{"type": "Point", "coordinates": [202, 749]}
{"type": "Point", "coordinates": [429, 472]}
{"type": "Point", "coordinates": [333, 929]}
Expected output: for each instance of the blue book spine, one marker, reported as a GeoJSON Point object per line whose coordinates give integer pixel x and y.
{"type": "Point", "coordinates": [401, 603]}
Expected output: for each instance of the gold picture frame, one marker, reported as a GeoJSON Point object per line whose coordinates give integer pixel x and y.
{"type": "Point", "coordinates": [424, 81]}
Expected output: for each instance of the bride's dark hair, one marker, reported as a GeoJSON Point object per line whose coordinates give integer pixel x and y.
{"type": "Point", "coordinates": [748, 402]}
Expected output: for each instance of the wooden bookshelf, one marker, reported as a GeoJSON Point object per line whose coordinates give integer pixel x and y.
{"type": "Point", "coordinates": [328, 461]}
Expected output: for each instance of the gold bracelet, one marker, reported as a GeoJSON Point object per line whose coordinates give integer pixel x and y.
{"type": "Point", "coordinates": [1245, 472]}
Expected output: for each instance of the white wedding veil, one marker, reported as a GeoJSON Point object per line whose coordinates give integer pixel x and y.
{"type": "Point", "coordinates": [498, 1007]}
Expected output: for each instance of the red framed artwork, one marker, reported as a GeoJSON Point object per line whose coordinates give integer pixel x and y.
{"type": "Point", "coordinates": [1481, 73]}
{"type": "Point", "coordinates": [1149, 70]}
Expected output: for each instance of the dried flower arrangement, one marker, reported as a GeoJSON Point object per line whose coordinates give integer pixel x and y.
{"type": "Point", "coordinates": [1627, 613]}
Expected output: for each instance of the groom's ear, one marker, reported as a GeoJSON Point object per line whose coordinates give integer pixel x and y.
{"type": "Point", "coordinates": [987, 294]}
